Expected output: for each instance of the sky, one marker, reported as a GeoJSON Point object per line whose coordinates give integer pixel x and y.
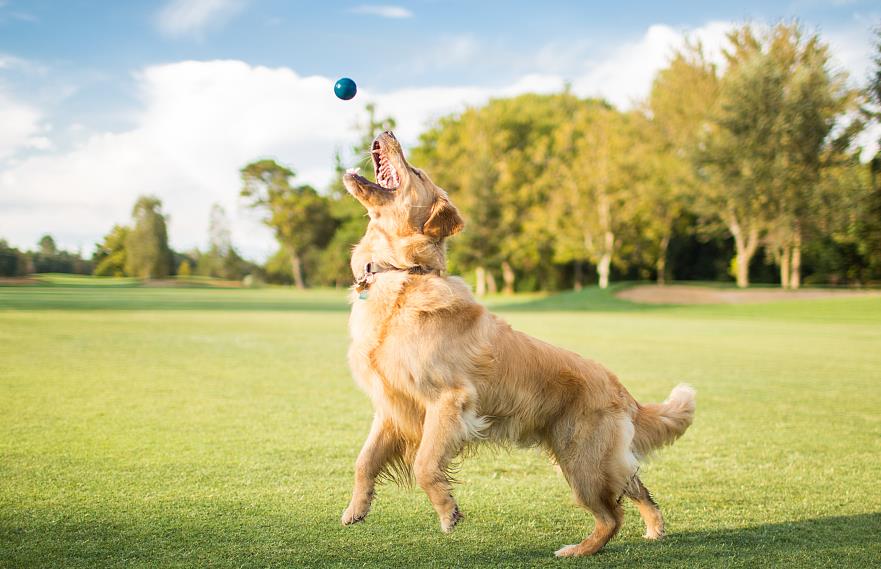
{"type": "Point", "coordinates": [103, 101]}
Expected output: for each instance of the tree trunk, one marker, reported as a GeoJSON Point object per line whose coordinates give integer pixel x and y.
{"type": "Point", "coordinates": [784, 267]}
{"type": "Point", "coordinates": [480, 276]}
{"type": "Point", "coordinates": [507, 278]}
{"type": "Point", "coordinates": [297, 269]}
{"type": "Point", "coordinates": [661, 265]}
{"type": "Point", "coordinates": [579, 275]}
{"type": "Point", "coordinates": [603, 269]}
{"type": "Point", "coordinates": [605, 264]}
{"type": "Point", "coordinates": [491, 286]}
{"type": "Point", "coordinates": [795, 265]}
{"type": "Point", "coordinates": [745, 246]}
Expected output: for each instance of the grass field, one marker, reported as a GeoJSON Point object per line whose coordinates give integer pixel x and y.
{"type": "Point", "coordinates": [218, 428]}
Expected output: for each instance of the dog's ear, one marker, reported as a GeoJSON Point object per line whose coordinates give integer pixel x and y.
{"type": "Point", "coordinates": [443, 221]}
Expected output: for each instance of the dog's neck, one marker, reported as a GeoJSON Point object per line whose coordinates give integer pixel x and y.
{"type": "Point", "coordinates": [410, 252]}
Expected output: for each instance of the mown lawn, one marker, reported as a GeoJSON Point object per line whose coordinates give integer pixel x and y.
{"type": "Point", "coordinates": [217, 428]}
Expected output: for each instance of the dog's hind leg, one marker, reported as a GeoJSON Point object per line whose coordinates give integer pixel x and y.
{"type": "Point", "coordinates": [648, 509]}
{"type": "Point", "coordinates": [597, 470]}
{"type": "Point", "coordinates": [383, 445]}
{"type": "Point", "coordinates": [444, 430]}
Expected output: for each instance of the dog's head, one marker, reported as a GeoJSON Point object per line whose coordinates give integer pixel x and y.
{"type": "Point", "coordinates": [403, 197]}
{"type": "Point", "coordinates": [406, 208]}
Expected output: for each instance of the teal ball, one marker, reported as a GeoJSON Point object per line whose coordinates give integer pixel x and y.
{"type": "Point", "coordinates": [345, 89]}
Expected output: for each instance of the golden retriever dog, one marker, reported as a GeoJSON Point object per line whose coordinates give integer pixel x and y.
{"type": "Point", "coordinates": [443, 373]}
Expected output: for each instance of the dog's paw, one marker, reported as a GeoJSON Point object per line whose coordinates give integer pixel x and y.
{"type": "Point", "coordinates": [567, 551]}
{"type": "Point", "coordinates": [449, 523]}
{"type": "Point", "coordinates": [653, 534]}
{"type": "Point", "coordinates": [353, 515]}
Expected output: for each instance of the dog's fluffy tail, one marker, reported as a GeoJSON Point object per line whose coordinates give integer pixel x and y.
{"type": "Point", "coordinates": [659, 424]}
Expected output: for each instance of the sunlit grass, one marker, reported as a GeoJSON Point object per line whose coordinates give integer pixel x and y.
{"type": "Point", "coordinates": [203, 427]}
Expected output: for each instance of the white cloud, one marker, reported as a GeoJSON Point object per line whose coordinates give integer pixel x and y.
{"type": "Point", "coordinates": [185, 17]}
{"type": "Point", "coordinates": [21, 127]}
{"type": "Point", "coordinates": [852, 51]}
{"type": "Point", "coordinates": [625, 75]}
{"type": "Point", "coordinates": [12, 63]}
{"type": "Point", "coordinates": [9, 61]}
{"type": "Point", "coordinates": [383, 11]}
{"type": "Point", "coordinates": [200, 122]}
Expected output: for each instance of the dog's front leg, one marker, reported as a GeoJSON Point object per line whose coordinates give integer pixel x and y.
{"type": "Point", "coordinates": [381, 446]}
{"type": "Point", "coordinates": [442, 436]}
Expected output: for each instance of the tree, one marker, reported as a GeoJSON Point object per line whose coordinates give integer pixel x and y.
{"type": "Point", "coordinates": [813, 99]}
{"type": "Point", "coordinates": [47, 246]}
{"type": "Point", "coordinates": [736, 155]}
{"type": "Point", "coordinates": [110, 255]}
{"type": "Point", "coordinates": [680, 100]}
{"type": "Point", "coordinates": [458, 153]}
{"type": "Point", "coordinates": [219, 233]}
{"type": "Point", "coordinates": [764, 149]}
{"type": "Point", "coordinates": [221, 260]}
{"type": "Point", "coordinates": [868, 225]}
{"type": "Point", "coordinates": [298, 215]}
{"type": "Point", "coordinates": [146, 245]}
{"type": "Point", "coordinates": [595, 169]}
{"type": "Point", "coordinates": [489, 160]}
{"type": "Point", "coordinates": [184, 269]}
{"type": "Point", "coordinates": [12, 261]}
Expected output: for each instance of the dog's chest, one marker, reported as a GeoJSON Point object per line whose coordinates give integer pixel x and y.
{"type": "Point", "coordinates": [362, 327]}
{"type": "Point", "coordinates": [379, 361]}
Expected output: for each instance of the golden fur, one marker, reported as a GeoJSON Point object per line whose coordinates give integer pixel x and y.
{"type": "Point", "coordinates": [443, 373]}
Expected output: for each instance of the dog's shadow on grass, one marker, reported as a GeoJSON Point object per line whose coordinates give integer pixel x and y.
{"type": "Point", "coordinates": [843, 541]}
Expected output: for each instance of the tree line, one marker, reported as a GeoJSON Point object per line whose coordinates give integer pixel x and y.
{"type": "Point", "coordinates": [746, 171]}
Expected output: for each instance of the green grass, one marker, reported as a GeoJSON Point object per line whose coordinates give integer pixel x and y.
{"type": "Point", "coordinates": [198, 427]}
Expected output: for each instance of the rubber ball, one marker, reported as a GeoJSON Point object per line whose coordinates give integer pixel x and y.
{"type": "Point", "coordinates": [345, 88]}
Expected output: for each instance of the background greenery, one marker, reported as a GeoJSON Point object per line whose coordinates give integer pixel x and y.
{"type": "Point", "coordinates": [209, 427]}
{"type": "Point", "coordinates": [750, 170]}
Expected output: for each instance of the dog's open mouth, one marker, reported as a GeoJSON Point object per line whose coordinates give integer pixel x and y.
{"type": "Point", "coordinates": [386, 174]}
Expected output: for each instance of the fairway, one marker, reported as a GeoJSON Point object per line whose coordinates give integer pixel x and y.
{"type": "Point", "coordinates": [177, 427]}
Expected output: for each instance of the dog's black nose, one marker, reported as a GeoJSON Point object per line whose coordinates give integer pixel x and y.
{"type": "Point", "coordinates": [390, 133]}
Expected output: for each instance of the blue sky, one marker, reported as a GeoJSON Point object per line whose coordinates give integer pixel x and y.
{"type": "Point", "coordinates": [102, 101]}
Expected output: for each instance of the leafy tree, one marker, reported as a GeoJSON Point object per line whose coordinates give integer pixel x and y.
{"type": "Point", "coordinates": [813, 99]}
{"type": "Point", "coordinates": [110, 255]}
{"type": "Point", "coordinates": [221, 260]}
{"type": "Point", "coordinates": [681, 97]}
{"type": "Point", "coordinates": [489, 160]}
{"type": "Point", "coordinates": [459, 155]}
{"type": "Point", "coordinates": [595, 169]}
{"type": "Point", "coordinates": [767, 141]}
{"type": "Point", "coordinates": [219, 233]}
{"type": "Point", "coordinates": [49, 259]}
{"type": "Point", "coordinates": [12, 261]}
{"type": "Point", "coordinates": [146, 245]}
{"type": "Point", "coordinates": [298, 215]}
{"type": "Point", "coordinates": [47, 246]}
{"type": "Point", "coordinates": [736, 158]}
{"type": "Point", "coordinates": [184, 269]}
{"type": "Point", "coordinates": [868, 224]}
